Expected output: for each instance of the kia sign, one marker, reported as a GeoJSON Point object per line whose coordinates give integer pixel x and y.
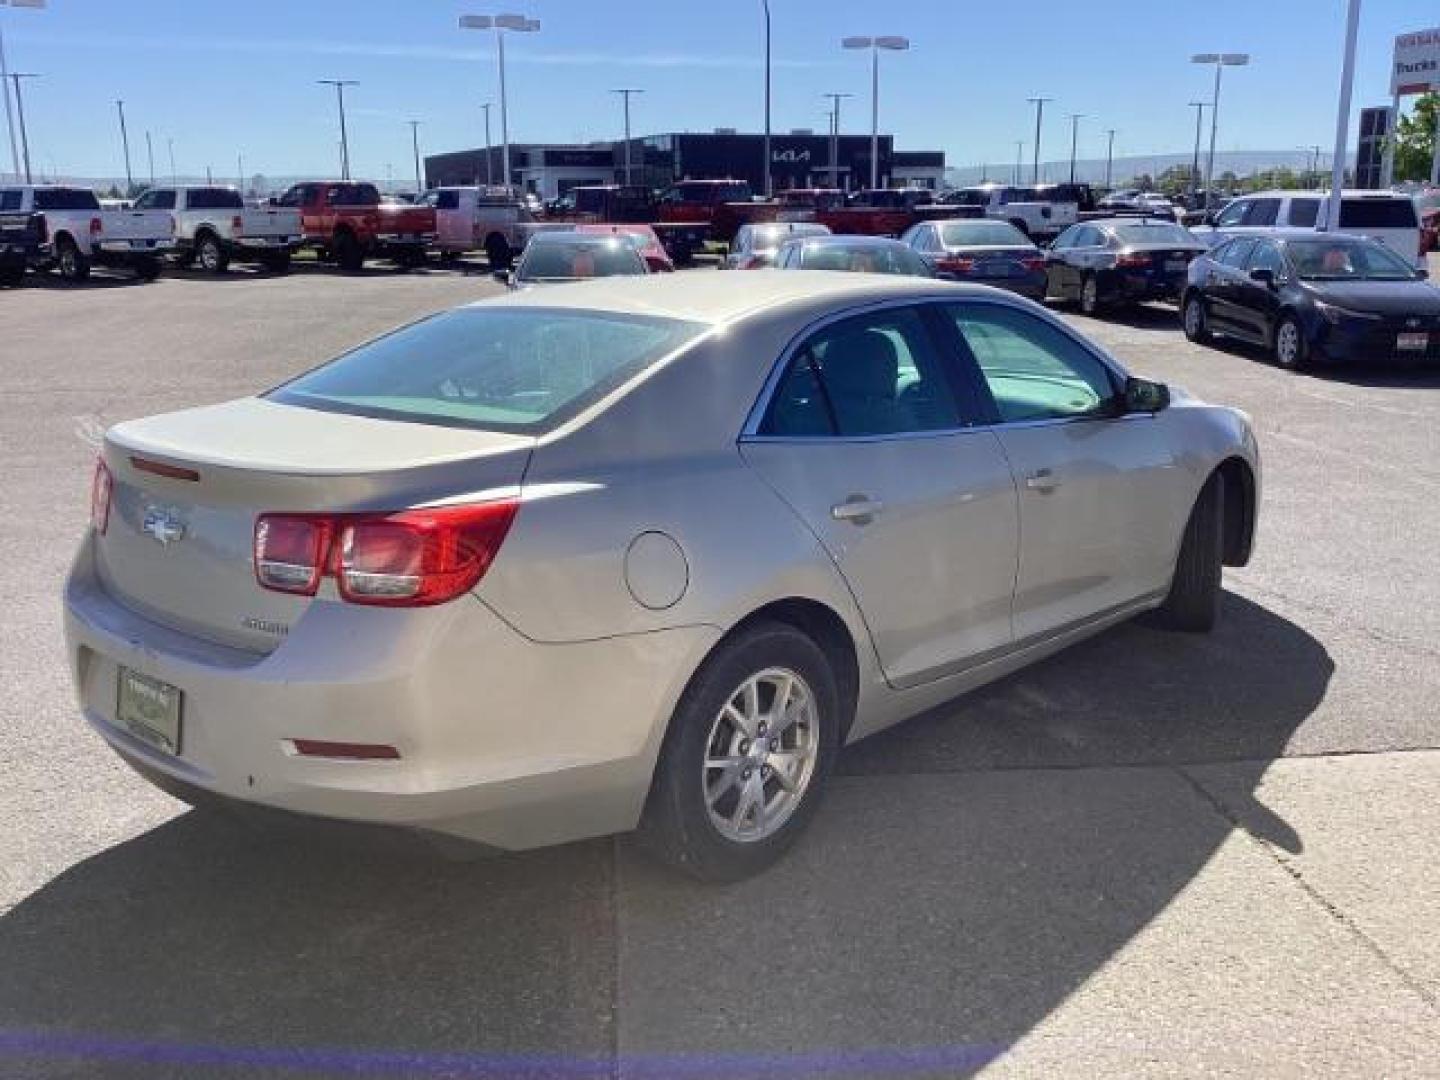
{"type": "Point", "coordinates": [1417, 63]}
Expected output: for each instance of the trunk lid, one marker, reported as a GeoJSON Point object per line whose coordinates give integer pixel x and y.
{"type": "Point", "coordinates": [188, 486]}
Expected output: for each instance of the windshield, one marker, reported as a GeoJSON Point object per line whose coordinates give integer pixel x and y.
{"type": "Point", "coordinates": [864, 258]}
{"type": "Point", "coordinates": [504, 369]}
{"type": "Point", "coordinates": [1346, 260]}
{"type": "Point", "coordinates": [1154, 232]}
{"type": "Point", "coordinates": [982, 234]}
{"type": "Point", "coordinates": [572, 260]}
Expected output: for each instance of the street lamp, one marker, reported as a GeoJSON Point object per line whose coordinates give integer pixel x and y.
{"type": "Point", "coordinates": [1109, 156]}
{"type": "Point", "coordinates": [489, 179]}
{"type": "Point", "coordinates": [835, 100]}
{"type": "Point", "coordinates": [5, 83]}
{"type": "Point", "coordinates": [875, 44]}
{"type": "Point", "coordinates": [1342, 119]}
{"type": "Point", "coordinates": [340, 85]}
{"type": "Point", "coordinates": [170, 146]}
{"type": "Point", "coordinates": [625, 93]}
{"type": "Point", "coordinates": [1221, 61]}
{"type": "Point", "coordinates": [518, 24]}
{"type": "Point", "coordinates": [415, 147]}
{"type": "Point", "coordinates": [1019, 159]}
{"type": "Point", "coordinates": [15, 77]}
{"type": "Point", "coordinates": [1075, 119]}
{"type": "Point", "coordinates": [125, 142]}
{"type": "Point", "coordinates": [1039, 103]}
{"type": "Point", "coordinates": [765, 173]}
{"type": "Point", "coordinates": [1199, 107]}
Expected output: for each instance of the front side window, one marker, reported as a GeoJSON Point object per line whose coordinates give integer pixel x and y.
{"type": "Point", "coordinates": [1263, 212]}
{"type": "Point", "coordinates": [518, 369]}
{"type": "Point", "coordinates": [875, 374]}
{"type": "Point", "coordinates": [1233, 214]}
{"type": "Point", "coordinates": [1266, 256]}
{"type": "Point", "coordinates": [1034, 370]}
{"type": "Point", "coordinates": [1235, 254]}
{"type": "Point", "coordinates": [1303, 212]}
{"type": "Point", "coordinates": [299, 195]}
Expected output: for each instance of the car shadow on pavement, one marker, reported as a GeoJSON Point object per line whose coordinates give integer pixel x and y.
{"type": "Point", "coordinates": [969, 871]}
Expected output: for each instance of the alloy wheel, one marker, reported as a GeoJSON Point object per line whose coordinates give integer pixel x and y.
{"type": "Point", "coordinates": [1287, 344]}
{"type": "Point", "coordinates": [760, 755]}
{"type": "Point", "coordinates": [1194, 319]}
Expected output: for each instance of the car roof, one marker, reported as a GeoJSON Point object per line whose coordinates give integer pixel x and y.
{"type": "Point", "coordinates": [848, 240]}
{"type": "Point", "coordinates": [575, 236]}
{"type": "Point", "coordinates": [723, 296]}
{"type": "Point", "coordinates": [1345, 193]}
{"type": "Point", "coordinates": [1295, 232]}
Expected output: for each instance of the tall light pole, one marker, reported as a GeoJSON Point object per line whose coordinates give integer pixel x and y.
{"type": "Point", "coordinates": [339, 85]}
{"type": "Point", "coordinates": [1019, 159]}
{"type": "Point", "coordinates": [125, 143]}
{"type": "Point", "coordinates": [1199, 107]}
{"type": "Point", "coordinates": [1221, 61]}
{"type": "Point", "coordinates": [240, 172]}
{"type": "Point", "coordinates": [765, 175]}
{"type": "Point", "coordinates": [875, 44]}
{"type": "Point", "coordinates": [415, 148]}
{"type": "Point", "coordinates": [835, 100]}
{"type": "Point", "coordinates": [15, 77]}
{"type": "Point", "coordinates": [170, 145]}
{"type": "Point", "coordinates": [1039, 103]}
{"type": "Point", "coordinates": [1075, 119]}
{"type": "Point", "coordinates": [150, 156]}
{"type": "Point", "coordinates": [518, 24]}
{"type": "Point", "coordinates": [1109, 156]}
{"type": "Point", "coordinates": [1342, 118]}
{"type": "Point", "coordinates": [489, 167]}
{"type": "Point", "coordinates": [5, 82]}
{"type": "Point", "coordinates": [625, 93]}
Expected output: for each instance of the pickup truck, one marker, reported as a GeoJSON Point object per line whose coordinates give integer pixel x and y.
{"type": "Point", "coordinates": [213, 226]}
{"type": "Point", "coordinates": [50, 226]}
{"type": "Point", "coordinates": [483, 219]}
{"type": "Point", "coordinates": [632, 204]}
{"type": "Point", "coordinates": [1027, 209]}
{"type": "Point", "coordinates": [347, 221]}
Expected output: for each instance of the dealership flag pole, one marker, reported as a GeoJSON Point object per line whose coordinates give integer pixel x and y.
{"type": "Point", "coordinates": [1342, 119]}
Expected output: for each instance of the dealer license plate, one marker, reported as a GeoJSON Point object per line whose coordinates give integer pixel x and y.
{"type": "Point", "coordinates": [149, 709]}
{"type": "Point", "coordinates": [1412, 342]}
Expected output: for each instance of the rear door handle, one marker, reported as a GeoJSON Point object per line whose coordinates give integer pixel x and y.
{"type": "Point", "coordinates": [857, 509]}
{"type": "Point", "coordinates": [1042, 480]}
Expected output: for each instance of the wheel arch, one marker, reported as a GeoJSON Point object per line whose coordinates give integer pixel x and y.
{"type": "Point", "coordinates": [1239, 509]}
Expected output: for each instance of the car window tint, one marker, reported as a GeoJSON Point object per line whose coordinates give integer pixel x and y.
{"type": "Point", "coordinates": [10, 200]}
{"type": "Point", "coordinates": [1067, 238]}
{"type": "Point", "coordinates": [447, 200]}
{"type": "Point", "coordinates": [875, 374]}
{"type": "Point", "coordinates": [1233, 214]}
{"type": "Point", "coordinates": [1034, 370]}
{"type": "Point", "coordinates": [1235, 254]}
{"type": "Point", "coordinates": [212, 199]}
{"type": "Point", "coordinates": [1372, 213]}
{"type": "Point", "coordinates": [1262, 212]}
{"type": "Point", "coordinates": [1303, 212]}
{"type": "Point", "coordinates": [1266, 256]}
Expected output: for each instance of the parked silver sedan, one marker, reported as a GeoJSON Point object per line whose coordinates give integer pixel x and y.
{"type": "Point", "coordinates": [636, 552]}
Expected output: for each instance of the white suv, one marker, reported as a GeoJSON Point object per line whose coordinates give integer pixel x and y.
{"type": "Point", "coordinates": [1387, 216]}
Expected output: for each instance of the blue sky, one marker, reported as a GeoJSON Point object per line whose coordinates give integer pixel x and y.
{"type": "Point", "coordinates": [227, 78]}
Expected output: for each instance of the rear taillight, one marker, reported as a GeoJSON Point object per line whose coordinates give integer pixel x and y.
{"type": "Point", "coordinates": [956, 265]}
{"type": "Point", "coordinates": [237, 224]}
{"type": "Point", "coordinates": [1132, 259]}
{"type": "Point", "coordinates": [1034, 262]}
{"type": "Point", "coordinates": [292, 551]}
{"type": "Point", "coordinates": [412, 558]}
{"type": "Point", "coordinates": [95, 226]}
{"type": "Point", "coordinates": [100, 487]}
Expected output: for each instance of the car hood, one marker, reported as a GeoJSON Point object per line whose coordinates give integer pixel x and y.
{"type": "Point", "coordinates": [1381, 297]}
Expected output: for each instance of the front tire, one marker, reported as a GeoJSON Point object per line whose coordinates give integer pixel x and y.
{"type": "Point", "coordinates": [211, 254]}
{"type": "Point", "coordinates": [1292, 351]}
{"type": "Point", "coordinates": [1090, 294]}
{"type": "Point", "coordinates": [497, 252]}
{"type": "Point", "coordinates": [348, 253]}
{"type": "Point", "coordinates": [74, 267]}
{"type": "Point", "coordinates": [747, 755]}
{"type": "Point", "coordinates": [1192, 317]}
{"type": "Point", "coordinates": [1193, 603]}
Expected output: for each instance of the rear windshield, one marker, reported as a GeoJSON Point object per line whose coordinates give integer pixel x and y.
{"type": "Point", "coordinates": [864, 258]}
{"type": "Point", "coordinates": [1154, 232]}
{"type": "Point", "coordinates": [1377, 214]}
{"type": "Point", "coordinates": [504, 369]}
{"type": "Point", "coordinates": [1346, 260]}
{"type": "Point", "coordinates": [215, 198]}
{"type": "Point", "coordinates": [355, 195]}
{"type": "Point", "coordinates": [66, 199]}
{"type": "Point", "coordinates": [571, 260]}
{"type": "Point", "coordinates": [982, 234]}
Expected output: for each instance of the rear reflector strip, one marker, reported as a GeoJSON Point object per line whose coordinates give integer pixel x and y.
{"type": "Point", "coordinates": [159, 468]}
{"type": "Point", "coordinates": [354, 751]}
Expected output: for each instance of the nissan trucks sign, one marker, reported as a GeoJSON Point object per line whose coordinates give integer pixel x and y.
{"type": "Point", "coordinates": [1417, 63]}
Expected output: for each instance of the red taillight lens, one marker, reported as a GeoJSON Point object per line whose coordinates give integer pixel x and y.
{"type": "Point", "coordinates": [1132, 259]}
{"type": "Point", "coordinates": [956, 265]}
{"type": "Point", "coordinates": [291, 551]}
{"type": "Point", "coordinates": [95, 226]}
{"type": "Point", "coordinates": [1035, 262]}
{"type": "Point", "coordinates": [237, 223]}
{"type": "Point", "coordinates": [100, 487]}
{"type": "Point", "coordinates": [420, 557]}
{"type": "Point", "coordinates": [413, 558]}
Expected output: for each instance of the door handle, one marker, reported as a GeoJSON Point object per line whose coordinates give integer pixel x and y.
{"type": "Point", "coordinates": [858, 509]}
{"type": "Point", "coordinates": [1042, 480]}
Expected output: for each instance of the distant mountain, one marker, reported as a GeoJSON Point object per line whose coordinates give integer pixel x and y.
{"type": "Point", "coordinates": [1092, 170]}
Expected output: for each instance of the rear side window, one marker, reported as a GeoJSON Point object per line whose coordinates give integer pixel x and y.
{"type": "Point", "coordinates": [1263, 212]}
{"type": "Point", "coordinates": [9, 200]}
{"type": "Point", "coordinates": [504, 369]}
{"type": "Point", "coordinates": [355, 195]}
{"type": "Point", "coordinates": [213, 199]}
{"type": "Point", "coordinates": [1377, 214]}
{"type": "Point", "coordinates": [1233, 214]}
{"type": "Point", "coordinates": [448, 199]}
{"type": "Point", "coordinates": [157, 199]}
{"type": "Point", "coordinates": [65, 199]}
{"type": "Point", "coordinates": [1303, 212]}
{"type": "Point", "coordinates": [874, 374]}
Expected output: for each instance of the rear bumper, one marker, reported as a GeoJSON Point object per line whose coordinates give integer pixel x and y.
{"type": "Point", "coordinates": [1141, 287]}
{"type": "Point", "coordinates": [503, 741]}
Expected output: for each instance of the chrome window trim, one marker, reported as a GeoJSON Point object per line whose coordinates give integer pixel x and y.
{"type": "Point", "coordinates": [750, 432]}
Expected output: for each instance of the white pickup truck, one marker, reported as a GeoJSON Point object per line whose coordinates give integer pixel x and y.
{"type": "Point", "coordinates": [484, 219]}
{"type": "Point", "coordinates": [1024, 207]}
{"type": "Point", "coordinates": [213, 227]}
{"type": "Point", "coordinates": [65, 229]}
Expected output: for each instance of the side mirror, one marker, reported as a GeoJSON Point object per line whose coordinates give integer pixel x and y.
{"type": "Point", "coordinates": [1263, 275]}
{"type": "Point", "coordinates": [1144, 396]}
{"type": "Point", "coordinates": [1422, 273]}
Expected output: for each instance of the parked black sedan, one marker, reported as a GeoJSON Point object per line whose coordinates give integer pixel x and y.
{"type": "Point", "coordinates": [1119, 261]}
{"type": "Point", "coordinates": [982, 251]}
{"type": "Point", "coordinates": [1313, 297]}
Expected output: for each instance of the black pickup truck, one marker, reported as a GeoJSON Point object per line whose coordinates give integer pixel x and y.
{"type": "Point", "coordinates": [21, 238]}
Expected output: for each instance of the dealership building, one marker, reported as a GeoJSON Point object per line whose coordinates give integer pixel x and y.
{"type": "Point", "coordinates": [797, 159]}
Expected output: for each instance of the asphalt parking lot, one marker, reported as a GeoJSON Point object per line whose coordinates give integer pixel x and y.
{"type": "Point", "coordinates": [1152, 855]}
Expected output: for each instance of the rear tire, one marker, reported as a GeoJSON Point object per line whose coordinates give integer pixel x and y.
{"type": "Point", "coordinates": [690, 821]}
{"type": "Point", "coordinates": [147, 268]}
{"type": "Point", "coordinates": [73, 266]}
{"type": "Point", "coordinates": [11, 276]}
{"type": "Point", "coordinates": [277, 262]}
{"type": "Point", "coordinates": [1193, 603]}
{"type": "Point", "coordinates": [348, 254]}
{"type": "Point", "coordinates": [211, 254]}
{"type": "Point", "coordinates": [1089, 294]}
{"type": "Point", "coordinates": [1192, 317]}
{"type": "Point", "coordinates": [1291, 350]}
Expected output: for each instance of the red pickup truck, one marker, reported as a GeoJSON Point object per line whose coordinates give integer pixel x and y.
{"type": "Point", "coordinates": [348, 221]}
